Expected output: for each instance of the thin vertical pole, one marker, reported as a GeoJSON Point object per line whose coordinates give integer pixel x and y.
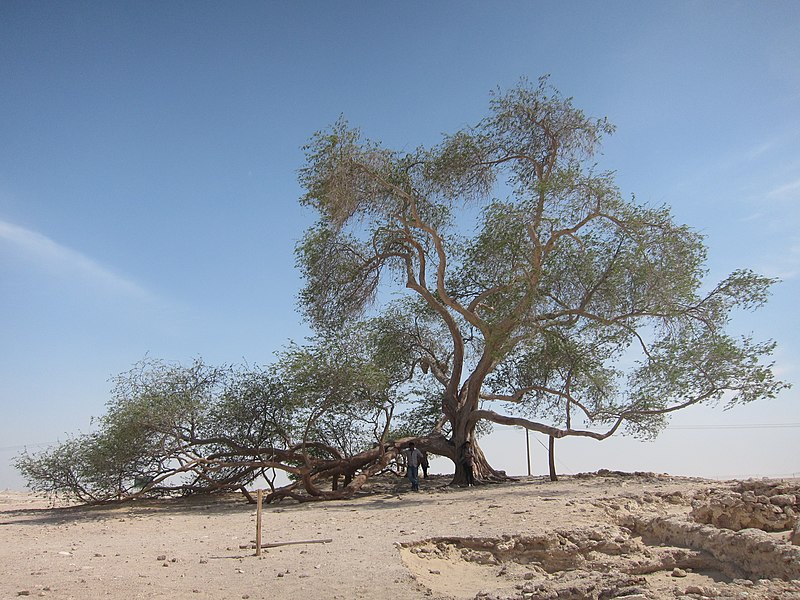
{"type": "Point", "coordinates": [259, 501]}
{"type": "Point", "coordinates": [528, 449]}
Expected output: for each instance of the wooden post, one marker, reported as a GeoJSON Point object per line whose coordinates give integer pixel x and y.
{"type": "Point", "coordinates": [259, 500]}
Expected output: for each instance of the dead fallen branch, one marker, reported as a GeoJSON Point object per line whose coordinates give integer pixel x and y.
{"type": "Point", "coordinates": [252, 545]}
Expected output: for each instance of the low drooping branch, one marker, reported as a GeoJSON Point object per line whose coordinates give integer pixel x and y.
{"type": "Point", "coordinates": [557, 432]}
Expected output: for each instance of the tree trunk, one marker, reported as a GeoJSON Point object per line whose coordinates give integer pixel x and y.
{"type": "Point", "coordinates": [482, 470]}
{"type": "Point", "coordinates": [551, 452]}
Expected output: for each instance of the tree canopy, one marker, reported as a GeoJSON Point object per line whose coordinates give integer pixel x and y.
{"type": "Point", "coordinates": [562, 307]}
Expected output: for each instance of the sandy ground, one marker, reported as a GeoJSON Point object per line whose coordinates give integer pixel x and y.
{"type": "Point", "coordinates": [574, 538]}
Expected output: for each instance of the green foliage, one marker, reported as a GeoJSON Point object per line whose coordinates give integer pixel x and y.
{"type": "Point", "coordinates": [73, 468]}
{"type": "Point", "coordinates": [171, 428]}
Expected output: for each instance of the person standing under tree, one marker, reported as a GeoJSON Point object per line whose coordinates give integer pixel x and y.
{"type": "Point", "coordinates": [467, 461]}
{"type": "Point", "coordinates": [414, 459]}
{"type": "Point", "coordinates": [424, 464]}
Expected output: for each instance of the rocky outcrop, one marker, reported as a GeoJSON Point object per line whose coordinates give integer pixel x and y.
{"type": "Point", "coordinates": [626, 561]}
{"type": "Point", "coordinates": [749, 553]}
{"type": "Point", "coordinates": [764, 505]}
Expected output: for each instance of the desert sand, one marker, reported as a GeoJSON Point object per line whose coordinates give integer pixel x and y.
{"type": "Point", "coordinates": [605, 535]}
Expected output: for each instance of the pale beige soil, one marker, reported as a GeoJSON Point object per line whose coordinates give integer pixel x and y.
{"type": "Point", "coordinates": [580, 537]}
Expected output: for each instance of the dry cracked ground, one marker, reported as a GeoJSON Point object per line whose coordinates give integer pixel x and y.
{"type": "Point", "coordinates": [596, 536]}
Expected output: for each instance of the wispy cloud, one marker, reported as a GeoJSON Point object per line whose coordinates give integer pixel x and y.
{"type": "Point", "coordinates": [47, 253]}
{"type": "Point", "coordinates": [785, 189]}
{"type": "Point", "coordinates": [759, 150]}
{"type": "Point", "coordinates": [785, 265]}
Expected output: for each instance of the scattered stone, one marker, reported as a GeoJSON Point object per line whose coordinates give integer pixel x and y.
{"type": "Point", "coordinates": [161, 557]}
{"type": "Point", "coordinates": [676, 572]}
{"type": "Point", "coordinates": [24, 593]}
{"type": "Point", "coordinates": [434, 571]}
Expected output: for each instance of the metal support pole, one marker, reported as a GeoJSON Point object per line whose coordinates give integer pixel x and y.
{"type": "Point", "coordinates": [528, 449]}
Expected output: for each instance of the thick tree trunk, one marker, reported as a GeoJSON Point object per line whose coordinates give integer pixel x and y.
{"type": "Point", "coordinates": [482, 471]}
{"type": "Point", "coordinates": [551, 454]}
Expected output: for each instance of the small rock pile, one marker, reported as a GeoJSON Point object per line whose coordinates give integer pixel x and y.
{"type": "Point", "coordinates": [765, 505]}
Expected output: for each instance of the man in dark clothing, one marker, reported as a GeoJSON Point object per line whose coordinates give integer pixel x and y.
{"type": "Point", "coordinates": [414, 459]}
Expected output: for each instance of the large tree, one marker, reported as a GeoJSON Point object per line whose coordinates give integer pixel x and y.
{"type": "Point", "coordinates": [536, 294]}
{"type": "Point", "coordinates": [563, 308]}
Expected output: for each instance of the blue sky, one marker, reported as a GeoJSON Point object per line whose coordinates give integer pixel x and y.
{"type": "Point", "coordinates": [149, 198]}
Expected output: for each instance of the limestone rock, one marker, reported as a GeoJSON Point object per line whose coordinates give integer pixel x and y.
{"type": "Point", "coordinates": [764, 505]}
{"type": "Point", "coordinates": [783, 499]}
{"type": "Point", "coordinates": [795, 535]}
